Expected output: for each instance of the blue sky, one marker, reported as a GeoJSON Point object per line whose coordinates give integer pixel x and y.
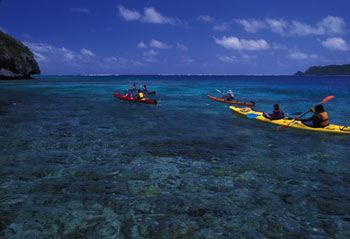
{"type": "Point", "coordinates": [180, 37]}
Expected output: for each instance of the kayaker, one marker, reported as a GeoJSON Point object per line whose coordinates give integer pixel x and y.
{"type": "Point", "coordinates": [276, 114]}
{"type": "Point", "coordinates": [319, 118]}
{"type": "Point", "coordinates": [139, 95]}
{"type": "Point", "coordinates": [129, 94]}
{"type": "Point", "coordinates": [229, 97]}
{"type": "Point", "coordinates": [144, 89]}
{"type": "Point", "coordinates": [133, 87]}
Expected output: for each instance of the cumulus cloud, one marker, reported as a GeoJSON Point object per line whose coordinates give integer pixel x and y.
{"type": "Point", "coordinates": [181, 47]}
{"type": "Point", "coordinates": [329, 25]}
{"type": "Point", "coordinates": [159, 44]}
{"type": "Point", "coordinates": [228, 59]}
{"type": "Point", "coordinates": [251, 25]}
{"type": "Point", "coordinates": [277, 25]}
{"type": "Point", "coordinates": [150, 53]}
{"type": "Point", "coordinates": [242, 44]}
{"type": "Point", "coordinates": [297, 55]}
{"type": "Point", "coordinates": [142, 45]}
{"type": "Point", "coordinates": [221, 27]}
{"type": "Point", "coordinates": [205, 18]}
{"type": "Point", "coordinates": [45, 53]}
{"type": "Point", "coordinates": [150, 15]}
{"type": "Point", "coordinates": [129, 15]}
{"type": "Point", "coordinates": [335, 43]}
{"type": "Point", "coordinates": [86, 52]}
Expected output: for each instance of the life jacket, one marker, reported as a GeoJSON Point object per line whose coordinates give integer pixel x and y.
{"type": "Point", "coordinates": [278, 114]}
{"type": "Point", "coordinates": [230, 96]}
{"type": "Point", "coordinates": [324, 121]}
{"type": "Point", "coordinates": [141, 95]}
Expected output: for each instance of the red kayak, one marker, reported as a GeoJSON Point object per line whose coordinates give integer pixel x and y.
{"type": "Point", "coordinates": [232, 102]}
{"type": "Point", "coordinates": [125, 97]}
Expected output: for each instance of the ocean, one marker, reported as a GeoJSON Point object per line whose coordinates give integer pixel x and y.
{"type": "Point", "coordinates": [76, 162]}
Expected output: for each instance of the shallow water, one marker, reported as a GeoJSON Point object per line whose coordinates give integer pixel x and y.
{"type": "Point", "coordinates": [78, 163]}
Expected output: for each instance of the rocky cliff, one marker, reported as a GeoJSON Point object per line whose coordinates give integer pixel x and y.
{"type": "Point", "coordinates": [16, 60]}
{"type": "Point", "coordinates": [327, 70]}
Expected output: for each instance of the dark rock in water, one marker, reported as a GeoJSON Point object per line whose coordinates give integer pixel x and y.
{"type": "Point", "coordinates": [16, 60]}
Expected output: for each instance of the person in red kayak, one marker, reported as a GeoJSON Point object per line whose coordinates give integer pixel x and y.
{"type": "Point", "coordinates": [140, 95]}
{"type": "Point", "coordinates": [319, 119]}
{"type": "Point", "coordinates": [229, 97]}
{"type": "Point", "coordinates": [144, 89]}
{"type": "Point", "coordinates": [276, 114]}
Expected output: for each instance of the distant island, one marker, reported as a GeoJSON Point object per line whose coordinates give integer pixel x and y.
{"type": "Point", "coordinates": [326, 70]}
{"type": "Point", "coordinates": [16, 60]}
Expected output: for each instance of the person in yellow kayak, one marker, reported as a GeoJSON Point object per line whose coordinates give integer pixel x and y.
{"type": "Point", "coordinates": [229, 97]}
{"type": "Point", "coordinates": [276, 114]}
{"type": "Point", "coordinates": [319, 118]}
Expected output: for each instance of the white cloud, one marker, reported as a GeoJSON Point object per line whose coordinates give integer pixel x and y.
{"type": "Point", "coordinates": [277, 26]}
{"type": "Point", "coordinates": [242, 44]}
{"type": "Point", "coordinates": [335, 43]}
{"type": "Point", "coordinates": [150, 16]}
{"type": "Point", "coordinates": [181, 47]}
{"type": "Point", "coordinates": [221, 27]}
{"type": "Point", "coordinates": [149, 56]}
{"type": "Point", "coordinates": [251, 25]}
{"type": "Point", "coordinates": [80, 10]}
{"type": "Point", "coordinates": [150, 53]}
{"type": "Point", "coordinates": [327, 26]}
{"type": "Point", "coordinates": [228, 59]}
{"type": "Point", "coordinates": [45, 53]}
{"type": "Point", "coordinates": [87, 52]}
{"type": "Point", "coordinates": [159, 44]}
{"type": "Point", "coordinates": [332, 25]}
{"type": "Point", "coordinates": [296, 55]}
{"type": "Point", "coordinates": [205, 18]}
{"type": "Point", "coordinates": [142, 45]}
{"type": "Point", "coordinates": [129, 15]}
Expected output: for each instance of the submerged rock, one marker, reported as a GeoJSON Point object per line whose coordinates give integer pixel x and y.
{"type": "Point", "coordinates": [16, 60]}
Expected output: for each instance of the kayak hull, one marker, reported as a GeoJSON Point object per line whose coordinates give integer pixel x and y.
{"type": "Point", "coordinates": [232, 102]}
{"type": "Point", "coordinates": [254, 115]}
{"type": "Point", "coordinates": [125, 97]}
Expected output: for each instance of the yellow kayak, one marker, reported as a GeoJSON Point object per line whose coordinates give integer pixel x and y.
{"type": "Point", "coordinates": [254, 115]}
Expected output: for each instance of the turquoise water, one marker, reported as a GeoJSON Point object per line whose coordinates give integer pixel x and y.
{"type": "Point", "coordinates": [78, 163]}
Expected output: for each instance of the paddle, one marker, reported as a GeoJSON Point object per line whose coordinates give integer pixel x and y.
{"type": "Point", "coordinates": [323, 101]}
{"type": "Point", "coordinates": [218, 91]}
{"type": "Point", "coordinates": [253, 116]}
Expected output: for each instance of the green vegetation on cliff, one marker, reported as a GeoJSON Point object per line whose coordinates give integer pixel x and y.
{"type": "Point", "coordinates": [327, 70]}
{"type": "Point", "coordinates": [16, 60]}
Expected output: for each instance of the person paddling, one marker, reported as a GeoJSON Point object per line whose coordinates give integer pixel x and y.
{"type": "Point", "coordinates": [144, 89]}
{"type": "Point", "coordinates": [229, 97]}
{"type": "Point", "coordinates": [139, 95]}
{"type": "Point", "coordinates": [319, 118]}
{"type": "Point", "coordinates": [276, 114]}
{"type": "Point", "coordinates": [133, 87]}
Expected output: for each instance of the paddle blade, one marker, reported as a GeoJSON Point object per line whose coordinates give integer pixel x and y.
{"type": "Point", "coordinates": [327, 99]}
{"type": "Point", "coordinates": [282, 127]}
